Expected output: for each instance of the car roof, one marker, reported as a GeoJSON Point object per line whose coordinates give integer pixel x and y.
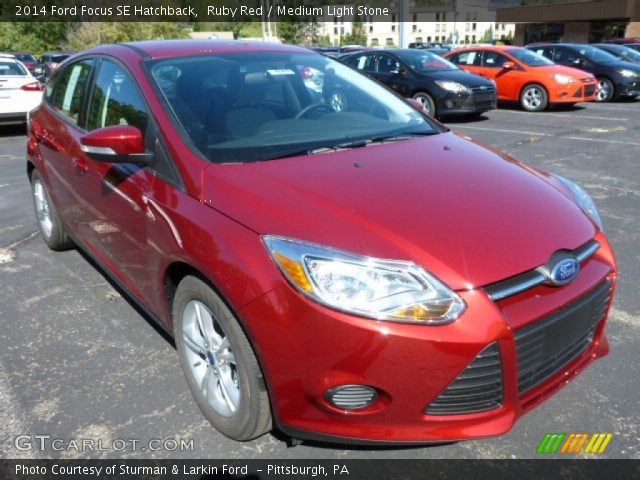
{"type": "Point", "coordinates": [156, 49]}
{"type": "Point", "coordinates": [7, 55]}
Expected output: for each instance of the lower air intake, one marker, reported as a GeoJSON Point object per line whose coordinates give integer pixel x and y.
{"type": "Point", "coordinates": [476, 389]}
{"type": "Point", "coordinates": [351, 397]}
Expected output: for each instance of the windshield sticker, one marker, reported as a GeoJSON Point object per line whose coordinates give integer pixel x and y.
{"type": "Point", "coordinates": [281, 71]}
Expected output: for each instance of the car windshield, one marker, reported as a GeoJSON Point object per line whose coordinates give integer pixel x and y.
{"type": "Point", "coordinates": [25, 57]}
{"type": "Point", "coordinates": [529, 58]}
{"type": "Point", "coordinates": [595, 54]}
{"type": "Point", "coordinates": [11, 69]}
{"type": "Point", "coordinates": [245, 107]}
{"type": "Point", "coordinates": [625, 53]}
{"type": "Point", "coordinates": [424, 61]}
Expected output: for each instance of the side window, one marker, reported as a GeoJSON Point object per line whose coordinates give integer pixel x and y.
{"type": "Point", "coordinates": [545, 52]}
{"type": "Point", "coordinates": [387, 64]}
{"type": "Point", "coordinates": [363, 62]}
{"type": "Point", "coordinates": [69, 90]}
{"type": "Point", "coordinates": [465, 58]}
{"type": "Point", "coordinates": [493, 59]}
{"type": "Point", "coordinates": [116, 100]}
{"type": "Point", "coordinates": [565, 56]}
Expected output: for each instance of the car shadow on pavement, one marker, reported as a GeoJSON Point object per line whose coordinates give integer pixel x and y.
{"type": "Point", "coordinates": [278, 435]}
{"type": "Point", "coordinates": [12, 131]}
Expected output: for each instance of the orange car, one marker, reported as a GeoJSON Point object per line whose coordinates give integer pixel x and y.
{"type": "Point", "coordinates": [524, 76]}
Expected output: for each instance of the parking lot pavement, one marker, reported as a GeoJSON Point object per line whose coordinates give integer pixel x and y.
{"type": "Point", "coordinates": [78, 361]}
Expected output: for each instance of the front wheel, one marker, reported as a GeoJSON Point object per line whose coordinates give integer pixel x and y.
{"type": "Point", "coordinates": [534, 98]}
{"type": "Point", "coordinates": [221, 368]}
{"type": "Point", "coordinates": [427, 102]}
{"type": "Point", "coordinates": [605, 90]}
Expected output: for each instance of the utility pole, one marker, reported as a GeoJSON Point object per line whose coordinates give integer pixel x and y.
{"type": "Point", "coordinates": [404, 18]}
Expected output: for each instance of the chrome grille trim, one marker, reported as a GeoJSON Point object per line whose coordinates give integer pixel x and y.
{"type": "Point", "coordinates": [531, 278]}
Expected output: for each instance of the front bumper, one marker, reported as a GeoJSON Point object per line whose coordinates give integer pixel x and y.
{"type": "Point", "coordinates": [478, 101]}
{"type": "Point", "coordinates": [628, 88]}
{"type": "Point", "coordinates": [584, 92]}
{"type": "Point", "coordinates": [306, 349]}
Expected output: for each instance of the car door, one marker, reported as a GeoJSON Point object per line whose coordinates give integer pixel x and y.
{"type": "Point", "coordinates": [56, 132]}
{"type": "Point", "coordinates": [363, 63]}
{"type": "Point", "coordinates": [570, 58]}
{"type": "Point", "coordinates": [114, 212]}
{"type": "Point", "coordinates": [508, 80]}
{"type": "Point", "coordinates": [390, 71]}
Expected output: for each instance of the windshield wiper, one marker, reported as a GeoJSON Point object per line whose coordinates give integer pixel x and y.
{"type": "Point", "coordinates": [353, 144]}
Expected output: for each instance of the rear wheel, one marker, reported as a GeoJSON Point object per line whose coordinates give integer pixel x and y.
{"type": "Point", "coordinates": [51, 227]}
{"type": "Point", "coordinates": [605, 90]}
{"type": "Point", "coordinates": [221, 368]}
{"type": "Point", "coordinates": [533, 98]}
{"type": "Point", "coordinates": [427, 102]}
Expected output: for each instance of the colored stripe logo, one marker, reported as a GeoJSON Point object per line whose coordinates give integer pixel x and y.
{"type": "Point", "coordinates": [574, 443]}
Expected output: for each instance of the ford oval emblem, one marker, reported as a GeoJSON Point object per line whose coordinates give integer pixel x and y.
{"type": "Point", "coordinates": [564, 271]}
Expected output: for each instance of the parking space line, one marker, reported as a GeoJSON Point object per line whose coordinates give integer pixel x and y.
{"type": "Point", "coordinates": [523, 132]}
{"type": "Point", "coordinates": [604, 140]}
{"type": "Point", "coordinates": [545, 114]}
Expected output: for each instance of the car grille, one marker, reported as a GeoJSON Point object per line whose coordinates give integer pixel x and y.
{"type": "Point", "coordinates": [483, 97]}
{"type": "Point", "coordinates": [476, 389]}
{"type": "Point", "coordinates": [547, 346]}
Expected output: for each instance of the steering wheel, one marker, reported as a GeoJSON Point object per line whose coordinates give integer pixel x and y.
{"type": "Point", "coordinates": [314, 106]}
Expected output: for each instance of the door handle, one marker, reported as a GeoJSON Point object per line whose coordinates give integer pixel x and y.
{"type": "Point", "coordinates": [80, 166]}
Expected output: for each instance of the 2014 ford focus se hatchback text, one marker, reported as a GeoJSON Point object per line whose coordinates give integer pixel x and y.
{"type": "Point", "coordinates": [347, 272]}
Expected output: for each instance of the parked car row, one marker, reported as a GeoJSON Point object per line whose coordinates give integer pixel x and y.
{"type": "Point", "coordinates": [20, 91]}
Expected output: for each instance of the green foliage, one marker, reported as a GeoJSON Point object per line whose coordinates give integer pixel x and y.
{"type": "Point", "coordinates": [488, 35]}
{"type": "Point", "coordinates": [300, 33]}
{"type": "Point", "coordinates": [35, 37]}
{"type": "Point", "coordinates": [357, 35]}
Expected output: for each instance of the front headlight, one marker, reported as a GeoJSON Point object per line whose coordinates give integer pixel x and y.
{"type": "Point", "coordinates": [584, 201]}
{"type": "Point", "coordinates": [564, 79]}
{"type": "Point", "coordinates": [627, 73]}
{"type": "Point", "coordinates": [454, 87]}
{"type": "Point", "coordinates": [381, 289]}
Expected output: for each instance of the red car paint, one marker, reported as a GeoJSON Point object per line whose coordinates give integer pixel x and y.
{"type": "Point", "coordinates": [470, 214]}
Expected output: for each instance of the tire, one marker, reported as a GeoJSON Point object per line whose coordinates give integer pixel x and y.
{"type": "Point", "coordinates": [427, 102]}
{"type": "Point", "coordinates": [534, 98]}
{"type": "Point", "coordinates": [605, 90]}
{"type": "Point", "coordinates": [337, 100]}
{"type": "Point", "coordinates": [236, 402]}
{"type": "Point", "coordinates": [51, 228]}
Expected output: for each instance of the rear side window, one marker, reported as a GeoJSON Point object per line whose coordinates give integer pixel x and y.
{"type": "Point", "coordinates": [564, 55]}
{"type": "Point", "coordinates": [68, 96]}
{"type": "Point", "coordinates": [493, 59]}
{"type": "Point", "coordinates": [116, 100]}
{"type": "Point", "coordinates": [363, 62]}
{"type": "Point", "coordinates": [465, 58]}
{"type": "Point", "coordinates": [387, 64]}
{"type": "Point", "coordinates": [544, 52]}
{"type": "Point", "coordinates": [11, 69]}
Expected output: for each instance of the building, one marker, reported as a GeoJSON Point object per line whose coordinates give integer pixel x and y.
{"type": "Point", "coordinates": [454, 21]}
{"type": "Point", "coordinates": [572, 20]}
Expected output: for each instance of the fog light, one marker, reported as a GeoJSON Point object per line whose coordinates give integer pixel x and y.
{"type": "Point", "coordinates": [351, 397]}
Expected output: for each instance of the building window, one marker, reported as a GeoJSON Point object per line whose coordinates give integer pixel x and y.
{"type": "Point", "coordinates": [437, 17]}
{"type": "Point", "coordinates": [418, 39]}
{"type": "Point", "coordinates": [389, 41]}
{"type": "Point", "coordinates": [393, 28]}
{"type": "Point", "coordinates": [466, 27]}
{"type": "Point", "coordinates": [473, 26]}
{"type": "Point", "coordinates": [473, 38]}
{"type": "Point", "coordinates": [335, 19]}
{"type": "Point", "coordinates": [444, 27]}
{"type": "Point", "coordinates": [414, 28]}
{"type": "Point", "coordinates": [466, 39]}
{"type": "Point", "coordinates": [370, 28]}
{"type": "Point", "coordinates": [393, 17]}
{"type": "Point", "coordinates": [429, 39]}
{"type": "Point", "coordinates": [415, 17]}
{"type": "Point", "coordinates": [437, 27]}
{"type": "Point", "coordinates": [374, 42]}
{"type": "Point", "coordinates": [335, 30]}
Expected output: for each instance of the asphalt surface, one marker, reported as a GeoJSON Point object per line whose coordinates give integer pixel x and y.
{"type": "Point", "coordinates": [77, 360]}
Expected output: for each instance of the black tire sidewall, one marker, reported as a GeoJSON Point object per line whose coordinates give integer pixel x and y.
{"type": "Point", "coordinates": [58, 240]}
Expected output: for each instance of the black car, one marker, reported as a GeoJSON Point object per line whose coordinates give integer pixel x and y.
{"type": "Point", "coordinates": [616, 78]}
{"type": "Point", "coordinates": [632, 46]}
{"type": "Point", "coordinates": [621, 52]}
{"type": "Point", "coordinates": [442, 87]}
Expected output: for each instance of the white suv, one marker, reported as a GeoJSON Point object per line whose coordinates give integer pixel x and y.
{"type": "Point", "coordinates": [20, 92]}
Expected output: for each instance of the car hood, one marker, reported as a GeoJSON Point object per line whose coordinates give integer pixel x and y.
{"type": "Point", "coordinates": [562, 70]}
{"type": "Point", "coordinates": [467, 213]}
{"type": "Point", "coordinates": [460, 76]}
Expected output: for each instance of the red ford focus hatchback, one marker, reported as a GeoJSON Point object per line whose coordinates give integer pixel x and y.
{"type": "Point", "coordinates": [351, 272]}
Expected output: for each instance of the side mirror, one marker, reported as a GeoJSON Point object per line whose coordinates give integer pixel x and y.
{"type": "Point", "coordinates": [115, 144]}
{"type": "Point", "coordinates": [508, 66]}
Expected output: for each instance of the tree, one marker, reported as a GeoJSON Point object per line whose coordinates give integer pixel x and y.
{"type": "Point", "coordinates": [488, 35]}
{"type": "Point", "coordinates": [357, 35]}
{"type": "Point", "coordinates": [35, 37]}
{"type": "Point", "coordinates": [91, 34]}
{"type": "Point", "coordinates": [298, 32]}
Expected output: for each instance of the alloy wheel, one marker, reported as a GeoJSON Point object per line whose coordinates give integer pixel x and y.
{"type": "Point", "coordinates": [426, 104]}
{"type": "Point", "coordinates": [212, 363]}
{"type": "Point", "coordinates": [338, 101]}
{"type": "Point", "coordinates": [42, 208]}
{"type": "Point", "coordinates": [604, 90]}
{"type": "Point", "coordinates": [532, 98]}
